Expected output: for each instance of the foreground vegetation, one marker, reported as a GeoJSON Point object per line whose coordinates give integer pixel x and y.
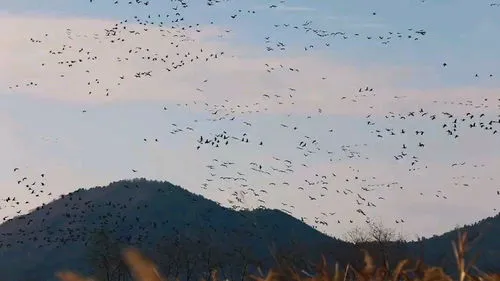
{"type": "Point", "coordinates": [143, 269]}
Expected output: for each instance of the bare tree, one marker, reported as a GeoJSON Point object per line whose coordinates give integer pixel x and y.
{"type": "Point", "coordinates": [380, 233]}
{"type": "Point", "coordinates": [210, 258]}
{"type": "Point", "coordinates": [176, 257]}
{"type": "Point", "coordinates": [164, 256]}
{"type": "Point", "coordinates": [374, 232]}
{"type": "Point", "coordinates": [242, 256]}
{"type": "Point", "coordinates": [378, 238]}
{"type": "Point", "coordinates": [105, 257]}
{"type": "Point", "coordinates": [357, 236]}
{"type": "Point", "coordinates": [189, 258]}
{"type": "Point", "coordinates": [181, 257]}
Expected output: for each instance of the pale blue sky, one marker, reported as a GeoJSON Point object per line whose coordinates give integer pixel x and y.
{"type": "Point", "coordinates": [460, 32]}
{"type": "Point", "coordinates": [47, 131]}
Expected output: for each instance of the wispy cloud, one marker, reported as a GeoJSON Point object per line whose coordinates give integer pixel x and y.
{"type": "Point", "coordinates": [286, 8]}
{"type": "Point", "coordinates": [356, 22]}
{"type": "Point", "coordinates": [295, 9]}
{"type": "Point", "coordinates": [275, 85]}
{"type": "Point", "coordinates": [320, 80]}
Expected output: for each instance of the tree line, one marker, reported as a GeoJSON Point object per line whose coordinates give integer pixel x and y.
{"type": "Point", "coordinates": [182, 257]}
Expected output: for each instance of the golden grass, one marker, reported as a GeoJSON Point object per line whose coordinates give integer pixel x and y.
{"type": "Point", "coordinates": [144, 269]}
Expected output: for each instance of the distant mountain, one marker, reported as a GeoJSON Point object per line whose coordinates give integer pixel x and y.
{"type": "Point", "coordinates": [150, 215]}
{"type": "Point", "coordinates": [483, 239]}
{"type": "Point", "coordinates": [186, 234]}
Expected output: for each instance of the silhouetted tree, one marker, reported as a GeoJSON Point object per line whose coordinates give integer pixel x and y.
{"type": "Point", "coordinates": [104, 255]}
{"type": "Point", "coordinates": [358, 235]}
{"type": "Point", "coordinates": [384, 243]}
{"type": "Point", "coordinates": [210, 257]}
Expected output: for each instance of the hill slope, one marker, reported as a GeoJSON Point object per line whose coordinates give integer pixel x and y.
{"type": "Point", "coordinates": [184, 233]}
{"type": "Point", "coordinates": [483, 239]}
{"type": "Point", "coordinates": [150, 215]}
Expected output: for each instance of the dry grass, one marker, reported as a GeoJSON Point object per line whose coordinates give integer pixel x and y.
{"type": "Point", "coordinates": [144, 269]}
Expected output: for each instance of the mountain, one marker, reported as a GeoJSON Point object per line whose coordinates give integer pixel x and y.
{"type": "Point", "coordinates": [187, 235]}
{"type": "Point", "coordinates": [150, 215]}
{"type": "Point", "coordinates": [483, 239]}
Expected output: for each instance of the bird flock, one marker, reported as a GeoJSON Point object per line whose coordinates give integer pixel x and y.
{"type": "Point", "coordinates": [234, 129]}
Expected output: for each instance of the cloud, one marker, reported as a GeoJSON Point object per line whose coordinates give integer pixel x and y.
{"type": "Point", "coordinates": [235, 75]}
{"type": "Point", "coordinates": [10, 130]}
{"type": "Point", "coordinates": [285, 8]}
{"type": "Point", "coordinates": [295, 9]}
{"type": "Point", "coordinates": [356, 22]}
{"type": "Point", "coordinates": [242, 74]}
{"type": "Point", "coordinates": [237, 79]}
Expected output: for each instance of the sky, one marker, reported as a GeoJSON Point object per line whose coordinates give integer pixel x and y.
{"type": "Point", "coordinates": [275, 73]}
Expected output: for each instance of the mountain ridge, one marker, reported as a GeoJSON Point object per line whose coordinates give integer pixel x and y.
{"type": "Point", "coordinates": [154, 215]}
{"type": "Point", "coordinates": [141, 212]}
